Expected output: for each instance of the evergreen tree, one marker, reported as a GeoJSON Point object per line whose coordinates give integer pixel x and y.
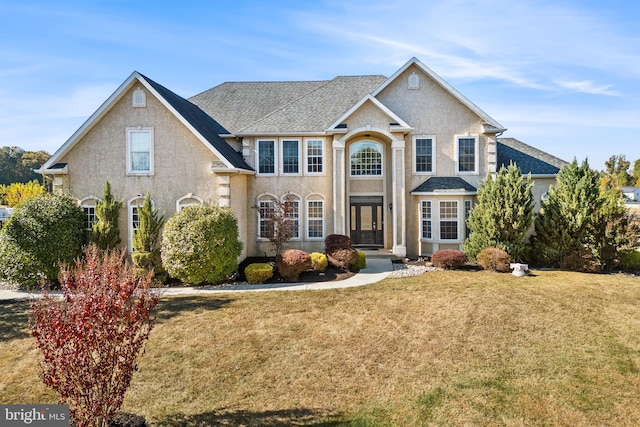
{"type": "Point", "coordinates": [105, 232]}
{"type": "Point", "coordinates": [614, 232]}
{"type": "Point", "coordinates": [146, 238]}
{"type": "Point", "coordinates": [503, 215]}
{"type": "Point", "coordinates": [566, 222]}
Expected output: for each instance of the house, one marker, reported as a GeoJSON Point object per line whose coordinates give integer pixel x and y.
{"type": "Point", "coordinates": [631, 193]}
{"type": "Point", "coordinates": [5, 214]}
{"type": "Point", "coordinates": [394, 162]}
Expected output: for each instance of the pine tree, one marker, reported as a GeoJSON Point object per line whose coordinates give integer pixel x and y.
{"type": "Point", "coordinates": [105, 232]}
{"type": "Point", "coordinates": [146, 238]}
{"type": "Point", "coordinates": [567, 219]}
{"type": "Point", "coordinates": [503, 215]}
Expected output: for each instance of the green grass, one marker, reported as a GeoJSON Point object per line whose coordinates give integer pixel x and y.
{"type": "Point", "coordinates": [446, 348]}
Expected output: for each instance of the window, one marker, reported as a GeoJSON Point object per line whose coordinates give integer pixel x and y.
{"type": "Point", "coordinates": [467, 210]}
{"type": "Point", "coordinates": [366, 159]}
{"type": "Point", "coordinates": [315, 219]}
{"type": "Point", "coordinates": [89, 217]}
{"type": "Point", "coordinates": [266, 209]}
{"type": "Point", "coordinates": [315, 148]}
{"type": "Point", "coordinates": [424, 149]}
{"type": "Point", "coordinates": [290, 156]}
{"type": "Point", "coordinates": [188, 200]}
{"type": "Point", "coordinates": [139, 98]}
{"type": "Point", "coordinates": [448, 220]}
{"type": "Point", "coordinates": [467, 148]}
{"type": "Point", "coordinates": [134, 218]}
{"type": "Point", "coordinates": [267, 157]}
{"type": "Point", "coordinates": [292, 213]}
{"type": "Point", "coordinates": [425, 214]}
{"type": "Point", "coordinates": [140, 151]}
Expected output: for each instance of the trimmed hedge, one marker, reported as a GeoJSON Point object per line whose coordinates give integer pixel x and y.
{"type": "Point", "coordinates": [361, 262]}
{"type": "Point", "coordinates": [258, 272]}
{"type": "Point", "coordinates": [319, 261]}
{"type": "Point", "coordinates": [448, 259]}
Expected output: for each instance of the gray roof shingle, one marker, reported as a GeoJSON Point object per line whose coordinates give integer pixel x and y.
{"type": "Point", "coordinates": [444, 183]}
{"type": "Point", "coordinates": [529, 159]}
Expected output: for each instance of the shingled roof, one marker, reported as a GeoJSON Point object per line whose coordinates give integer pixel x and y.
{"type": "Point", "coordinates": [283, 107]}
{"type": "Point", "coordinates": [444, 183]}
{"type": "Point", "coordinates": [529, 159]}
{"type": "Point", "coordinates": [202, 122]}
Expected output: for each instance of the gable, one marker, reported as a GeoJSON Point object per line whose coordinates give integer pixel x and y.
{"type": "Point", "coordinates": [370, 111]}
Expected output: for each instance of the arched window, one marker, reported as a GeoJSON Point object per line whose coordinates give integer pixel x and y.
{"type": "Point", "coordinates": [139, 99]}
{"type": "Point", "coordinates": [315, 217]}
{"type": "Point", "coordinates": [366, 158]}
{"type": "Point", "coordinates": [188, 200]}
{"type": "Point", "coordinates": [88, 205]}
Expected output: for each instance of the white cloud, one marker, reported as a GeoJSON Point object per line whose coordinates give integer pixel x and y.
{"type": "Point", "coordinates": [588, 86]}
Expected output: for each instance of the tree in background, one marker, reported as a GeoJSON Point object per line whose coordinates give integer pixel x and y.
{"type": "Point", "coordinates": [14, 194]}
{"type": "Point", "coordinates": [636, 171]}
{"type": "Point", "coordinates": [17, 165]}
{"type": "Point", "coordinates": [616, 173]}
{"type": "Point", "coordinates": [43, 232]}
{"type": "Point", "coordinates": [146, 252]}
{"type": "Point", "coordinates": [503, 215]}
{"type": "Point", "coordinates": [614, 231]}
{"type": "Point", "coordinates": [91, 337]}
{"type": "Point", "coordinates": [105, 232]}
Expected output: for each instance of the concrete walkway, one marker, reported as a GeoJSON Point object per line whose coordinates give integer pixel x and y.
{"type": "Point", "coordinates": [376, 270]}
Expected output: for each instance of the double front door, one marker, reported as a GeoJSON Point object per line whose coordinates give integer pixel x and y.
{"type": "Point", "coordinates": [367, 220]}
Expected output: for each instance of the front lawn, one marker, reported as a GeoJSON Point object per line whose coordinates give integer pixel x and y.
{"type": "Point", "coordinates": [445, 348]}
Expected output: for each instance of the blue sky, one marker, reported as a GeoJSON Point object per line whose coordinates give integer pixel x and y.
{"type": "Point", "coordinates": [563, 76]}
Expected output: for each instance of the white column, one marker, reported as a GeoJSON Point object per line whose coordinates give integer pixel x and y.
{"type": "Point", "coordinates": [399, 208]}
{"type": "Point", "coordinates": [339, 188]}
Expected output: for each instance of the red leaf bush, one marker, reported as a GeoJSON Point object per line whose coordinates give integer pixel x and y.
{"type": "Point", "coordinates": [292, 262]}
{"type": "Point", "coordinates": [90, 338]}
{"type": "Point", "coordinates": [448, 259]}
{"type": "Point", "coordinates": [336, 241]}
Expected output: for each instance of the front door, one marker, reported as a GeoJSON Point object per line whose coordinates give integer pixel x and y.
{"type": "Point", "coordinates": [367, 221]}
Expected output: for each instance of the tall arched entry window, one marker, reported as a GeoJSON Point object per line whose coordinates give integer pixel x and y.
{"type": "Point", "coordinates": [366, 158]}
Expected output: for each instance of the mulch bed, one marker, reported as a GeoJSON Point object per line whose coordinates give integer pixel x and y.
{"type": "Point", "coordinates": [330, 274]}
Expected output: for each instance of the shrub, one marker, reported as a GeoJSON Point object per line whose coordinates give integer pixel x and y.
{"type": "Point", "coordinates": [42, 233]}
{"type": "Point", "coordinates": [448, 259]}
{"type": "Point", "coordinates": [494, 259]}
{"type": "Point", "coordinates": [343, 258]}
{"type": "Point", "coordinates": [581, 260]}
{"type": "Point", "coordinates": [146, 239]}
{"type": "Point", "coordinates": [631, 260]}
{"type": "Point", "coordinates": [18, 192]}
{"type": "Point", "coordinates": [292, 262]}
{"type": "Point", "coordinates": [319, 261]}
{"type": "Point", "coordinates": [336, 241]}
{"type": "Point", "coordinates": [258, 272]}
{"type": "Point", "coordinates": [361, 262]}
{"type": "Point", "coordinates": [90, 338]}
{"type": "Point", "coordinates": [200, 244]}
{"type": "Point", "coordinates": [105, 232]}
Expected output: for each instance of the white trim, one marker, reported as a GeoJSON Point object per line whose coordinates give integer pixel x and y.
{"type": "Point", "coordinates": [281, 155]}
{"type": "Point", "coordinates": [433, 154]}
{"type": "Point", "coordinates": [422, 238]}
{"type": "Point", "coordinates": [447, 87]}
{"type": "Point", "coordinates": [314, 197]}
{"type": "Point", "coordinates": [459, 239]}
{"type": "Point", "coordinates": [402, 125]}
{"type": "Point", "coordinates": [179, 205]}
{"type": "Point", "coordinates": [476, 145]}
{"type": "Point", "coordinates": [90, 197]}
{"type": "Point", "coordinates": [366, 176]}
{"type": "Point", "coordinates": [140, 129]}
{"type": "Point", "coordinates": [142, 101]}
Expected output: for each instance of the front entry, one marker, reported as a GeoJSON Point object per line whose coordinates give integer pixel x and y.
{"type": "Point", "coordinates": [366, 220]}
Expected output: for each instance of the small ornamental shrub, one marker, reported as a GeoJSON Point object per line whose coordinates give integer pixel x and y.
{"type": "Point", "coordinates": [319, 261]}
{"type": "Point", "coordinates": [91, 337]}
{"type": "Point", "coordinates": [581, 260]}
{"type": "Point", "coordinates": [343, 258]}
{"type": "Point", "coordinates": [146, 240]}
{"type": "Point", "coordinates": [43, 232]}
{"type": "Point", "coordinates": [631, 260]}
{"type": "Point", "coordinates": [258, 272]}
{"type": "Point", "coordinates": [448, 259]}
{"type": "Point", "coordinates": [494, 259]}
{"type": "Point", "coordinates": [361, 262]}
{"type": "Point", "coordinates": [105, 232]}
{"type": "Point", "coordinates": [200, 244]}
{"type": "Point", "coordinates": [336, 241]}
{"type": "Point", "coordinates": [292, 262]}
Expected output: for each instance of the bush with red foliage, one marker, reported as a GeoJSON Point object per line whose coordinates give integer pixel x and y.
{"type": "Point", "coordinates": [448, 259]}
{"type": "Point", "coordinates": [494, 259]}
{"type": "Point", "coordinates": [343, 258]}
{"type": "Point", "coordinates": [581, 260]}
{"type": "Point", "coordinates": [90, 338]}
{"type": "Point", "coordinates": [336, 241]}
{"type": "Point", "coordinates": [292, 262]}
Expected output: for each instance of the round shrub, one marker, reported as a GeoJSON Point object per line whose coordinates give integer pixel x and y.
{"type": "Point", "coordinates": [343, 258]}
{"type": "Point", "coordinates": [581, 260]}
{"type": "Point", "coordinates": [43, 232]}
{"type": "Point", "coordinates": [361, 262]}
{"type": "Point", "coordinates": [448, 259]}
{"type": "Point", "coordinates": [200, 244]}
{"type": "Point", "coordinates": [319, 261]}
{"type": "Point", "coordinates": [292, 262]}
{"type": "Point", "coordinates": [336, 241]}
{"type": "Point", "coordinates": [258, 272]}
{"type": "Point", "coordinates": [631, 260]}
{"type": "Point", "coordinates": [494, 259]}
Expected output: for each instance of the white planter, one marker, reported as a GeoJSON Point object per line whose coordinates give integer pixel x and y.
{"type": "Point", "coordinates": [519, 269]}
